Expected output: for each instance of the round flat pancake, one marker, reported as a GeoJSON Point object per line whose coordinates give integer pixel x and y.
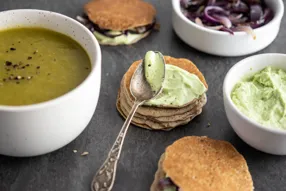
{"type": "Point", "coordinates": [120, 14]}
{"type": "Point", "coordinates": [204, 164]}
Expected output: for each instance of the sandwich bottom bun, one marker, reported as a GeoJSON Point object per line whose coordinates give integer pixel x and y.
{"type": "Point", "coordinates": [204, 164]}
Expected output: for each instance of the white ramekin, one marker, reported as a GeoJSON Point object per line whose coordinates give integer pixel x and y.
{"type": "Point", "coordinates": [267, 139]}
{"type": "Point", "coordinates": [222, 43]}
{"type": "Point", "coordinates": [41, 128]}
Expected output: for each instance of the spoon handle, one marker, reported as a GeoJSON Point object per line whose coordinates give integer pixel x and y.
{"type": "Point", "coordinates": [105, 176]}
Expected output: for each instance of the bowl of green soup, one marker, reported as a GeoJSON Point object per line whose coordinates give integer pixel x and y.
{"type": "Point", "coordinates": [50, 77]}
{"type": "Point", "coordinates": [255, 101]}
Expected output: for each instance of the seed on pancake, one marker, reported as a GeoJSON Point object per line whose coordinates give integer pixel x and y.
{"type": "Point", "coordinates": [30, 57]}
{"type": "Point", "coordinates": [38, 67]}
{"type": "Point", "coordinates": [12, 49]}
{"type": "Point", "coordinates": [4, 79]}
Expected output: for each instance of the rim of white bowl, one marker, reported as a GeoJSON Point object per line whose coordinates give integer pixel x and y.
{"type": "Point", "coordinates": [229, 100]}
{"type": "Point", "coordinates": [68, 94]}
{"type": "Point", "coordinates": [277, 18]}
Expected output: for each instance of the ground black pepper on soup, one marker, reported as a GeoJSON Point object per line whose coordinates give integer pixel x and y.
{"type": "Point", "coordinates": [38, 65]}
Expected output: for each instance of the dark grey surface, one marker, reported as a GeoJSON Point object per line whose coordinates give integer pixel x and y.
{"type": "Point", "coordinates": [63, 170]}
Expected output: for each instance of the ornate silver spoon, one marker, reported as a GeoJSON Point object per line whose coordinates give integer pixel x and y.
{"type": "Point", "coordinates": [143, 89]}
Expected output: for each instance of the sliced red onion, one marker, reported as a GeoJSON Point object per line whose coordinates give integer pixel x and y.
{"type": "Point", "coordinates": [211, 2]}
{"type": "Point", "coordinates": [255, 12]}
{"type": "Point", "coordinates": [268, 15]}
{"type": "Point", "coordinates": [167, 183]}
{"type": "Point", "coordinates": [223, 20]}
{"type": "Point", "coordinates": [229, 13]}
{"type": "Point", "coordinates": [240, 7]}
{"type": "Point", "coordinates": [217, 28]}
{"type": "Point", "coordinates": [237, 19]}
{"type": "Point", "coordinates": [246, 29]}
{"type": "Point", "coordinates": [227, 30]}
{"type": "Point", "coordinates": [199, 21]}
{"type": "Point", "coordinates": [185, 3]}
{"type": "Point", "coordinates": [196, 2]}
{"type": "Point", "coordinates": [200, 10]}
{"type": "Point", "coordinates": [82, 19]}
{"type": "Point", "coordinates": [212, 8]}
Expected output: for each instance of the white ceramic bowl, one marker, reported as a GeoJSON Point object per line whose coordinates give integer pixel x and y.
{"type": "Point", "coordinates": [42, 128]}
{"type": "Point", "coordinates": [266, 139]}
{"type": "Point", "coordinates": [222, 43]}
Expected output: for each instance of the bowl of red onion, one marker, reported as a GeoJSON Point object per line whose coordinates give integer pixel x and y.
{"type": "Point", "coordinates": [227, 27]}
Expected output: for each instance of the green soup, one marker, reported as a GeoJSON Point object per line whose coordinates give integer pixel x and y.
{"type": "Point", "coordinates": [38, 65]}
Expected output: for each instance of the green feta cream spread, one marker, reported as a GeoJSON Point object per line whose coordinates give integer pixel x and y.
{"type": "Point", "coordinates": [122, 39]}
{"type": "Point", "coordinates": [262, 97]}
{"type": "Point", "coordinates": [154, 70]}
{"type": "Point", "coordinates": [179, 87]}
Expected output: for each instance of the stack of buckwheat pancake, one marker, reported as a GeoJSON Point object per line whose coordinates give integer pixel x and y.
{"type": "Point", "coordinates": [162, 117]}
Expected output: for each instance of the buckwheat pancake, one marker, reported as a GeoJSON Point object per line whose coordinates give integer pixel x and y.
{"type": "Point", "coordinates": [203, 164]}
{"type": "Point", "coordinates": [120, 14]}
{"type": "Point", "coordinates": [116, 22]}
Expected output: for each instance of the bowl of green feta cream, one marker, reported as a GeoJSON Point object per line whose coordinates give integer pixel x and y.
{"type": "Point", "coordinates": [254, 93]}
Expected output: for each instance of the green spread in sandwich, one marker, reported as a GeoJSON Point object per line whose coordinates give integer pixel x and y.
{"type": "Point", "coordinates": [262, 97]}
{"type": "Point", "coordinates": [179, 88]}
{"type": "Point", "coordinates": [128, 38]}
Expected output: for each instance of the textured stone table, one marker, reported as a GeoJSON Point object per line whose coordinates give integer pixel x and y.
{"type": "Point", "coordinates": [64, 170]}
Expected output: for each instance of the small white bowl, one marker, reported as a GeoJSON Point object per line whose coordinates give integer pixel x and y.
{"type": "Point", "coordinates": [41, 128]}
{"type": "Point", "coordinates": [222, 43]}
{"type": "Point", "coordinates": [266, 139]}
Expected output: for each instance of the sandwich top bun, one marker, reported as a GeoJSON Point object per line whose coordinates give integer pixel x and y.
{"type": "Point", "coordinates": [120, 14]}
{"type": "Point", "coordinates": [204, 164]}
